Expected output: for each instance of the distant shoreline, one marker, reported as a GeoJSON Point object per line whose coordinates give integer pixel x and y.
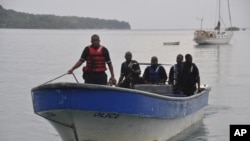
{"type": "Point", "coordinates": [20, 20]}
{"type": "Point", "coordinates": [241, 29]}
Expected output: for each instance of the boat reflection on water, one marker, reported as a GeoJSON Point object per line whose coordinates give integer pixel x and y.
{"type": "Point", "coordinates": [212, 46]}
{"type": "Point", "coordinates": [212, 56]}
{"type": "Point", "coordinates": [193, 133]}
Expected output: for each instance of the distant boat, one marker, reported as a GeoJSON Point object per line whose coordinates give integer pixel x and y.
{"type": "Point", "coordinates": [88, 112]}
{"type": "Point", "coordinates": [216, 36]}
{"type": "Point", "coordinates": [171, 43]}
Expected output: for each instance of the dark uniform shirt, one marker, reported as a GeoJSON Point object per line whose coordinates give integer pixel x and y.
{"type": "Point", "coordinates": [128, 71]}
{"type": "Point", "coordinates": [189, 78]}
{"type": "Point", "coordinates": [128, 66]}
{"type": "Point", "coordinates": [175, 75]}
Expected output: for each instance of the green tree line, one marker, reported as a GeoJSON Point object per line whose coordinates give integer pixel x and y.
{"type": "Point", "coordinates": [13, 19]}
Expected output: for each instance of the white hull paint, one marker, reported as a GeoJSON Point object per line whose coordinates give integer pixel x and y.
{"type": "Point", "coordinates": [73, 125]}
{"type": "Point", "coordinates": [203, 37]}
{"type": "Point", "coordinates": [213, 41]}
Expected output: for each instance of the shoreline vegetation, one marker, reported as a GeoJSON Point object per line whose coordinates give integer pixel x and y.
{"type": "Point", "coordinates": [21, 20]}
{"type": "Point", "coordinates": [13, 19]}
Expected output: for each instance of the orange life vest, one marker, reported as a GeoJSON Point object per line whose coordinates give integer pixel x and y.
{"type": "Point", "coordinates": [95, 61]}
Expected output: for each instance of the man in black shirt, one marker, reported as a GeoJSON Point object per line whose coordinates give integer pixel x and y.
{"type": "Point", "coordinates": [130, 72]}
{"type": "Point", "coordinates": [190, 76]}
{"type": "Point", "coordinates": [96, 57]}
{"type": "Point", "coordinates": [175, 74]}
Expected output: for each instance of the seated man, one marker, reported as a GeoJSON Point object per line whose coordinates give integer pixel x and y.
{"type": "Point", "coordinates": [175, 74]}
{"type": "Point", "coordinates": [155, 74]}
{"type": "Point", "coordinates": [130, 72]}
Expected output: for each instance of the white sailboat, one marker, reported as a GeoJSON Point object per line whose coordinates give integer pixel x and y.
{"type": "Point", "coordinates": [215, 36]}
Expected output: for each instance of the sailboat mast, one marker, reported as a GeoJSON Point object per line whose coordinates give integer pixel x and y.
{"type": "Point", "coordinates": [229, 13]}
{"type": "Point", "coordinates": [219, 9]}
{"type": "Point", "coordinates": [219, 18]}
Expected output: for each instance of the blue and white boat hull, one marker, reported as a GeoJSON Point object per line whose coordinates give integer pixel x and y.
{"type": "Point", "coordinates": [85, 112]}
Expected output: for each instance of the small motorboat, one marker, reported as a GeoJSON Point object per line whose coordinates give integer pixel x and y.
{"type": "Point", "coordinates": [171, 43]}
{"type": "Point", "coordinates": [89, 112]}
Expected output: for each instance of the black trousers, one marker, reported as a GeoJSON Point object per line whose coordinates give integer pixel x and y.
{"type": "Point", "coordinates": [95, 78]}
{"type": "Point", "coordinates": [130, 82]}
{"type": "Point", "coordinates": [189, 90]}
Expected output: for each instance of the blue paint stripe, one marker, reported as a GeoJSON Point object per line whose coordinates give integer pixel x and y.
{"type": "Point", "coordinates": [114, 101]}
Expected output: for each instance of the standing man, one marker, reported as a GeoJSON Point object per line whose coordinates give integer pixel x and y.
{"type": "Point", "coordinates": [96, 57]}
{"type": "Point", "coordinates": [175, 74]}
{"type": "Point", "coordinates": [130, 72]}
{"type": "Point", "coordinates": [190, 76]}
{"type": "Point", "coordinates": [155, 74]}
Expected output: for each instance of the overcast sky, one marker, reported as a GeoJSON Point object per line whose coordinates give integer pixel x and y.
{"type": "Point", "coordinates": [141, 14]}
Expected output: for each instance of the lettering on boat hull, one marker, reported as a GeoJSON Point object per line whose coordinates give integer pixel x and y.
{"type": "Point", "coordinates": [106, 115]}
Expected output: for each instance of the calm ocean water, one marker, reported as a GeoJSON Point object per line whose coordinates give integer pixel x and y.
{"type": "Point", "coordinates": [31, 57]}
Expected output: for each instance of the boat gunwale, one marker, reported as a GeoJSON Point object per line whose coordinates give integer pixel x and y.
{"type": "Point", "coordinates": [66, 85]}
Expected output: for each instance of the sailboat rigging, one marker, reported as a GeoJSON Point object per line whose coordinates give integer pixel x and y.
{"type": "Point", "coordinates": [215, 36]}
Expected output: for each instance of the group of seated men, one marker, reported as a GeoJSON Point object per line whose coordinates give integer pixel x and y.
{"type": "Point", "coordinates": [183, 76]}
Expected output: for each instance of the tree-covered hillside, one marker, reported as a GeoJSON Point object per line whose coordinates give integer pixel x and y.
{"type": "Point", "coordinates": [13, 19]}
